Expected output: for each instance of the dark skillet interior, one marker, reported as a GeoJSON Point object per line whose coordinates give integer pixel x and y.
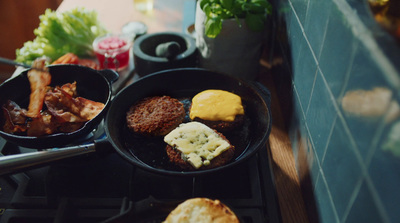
{"type": "Point", "coordinates": [91, 84]}
{"type": "Point", "coordinates": [183, 84]}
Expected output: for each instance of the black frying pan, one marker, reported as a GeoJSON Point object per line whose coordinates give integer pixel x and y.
{"type": "Point", "coordinates": [183, 84]}
{"type": "Point", "coordinates": [91, 84]}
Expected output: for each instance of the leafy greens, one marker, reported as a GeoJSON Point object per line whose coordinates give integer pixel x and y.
{"type": "Point", "coordinates": [58, 33]}
{"type": "Point", "coordinates": [253, 11]}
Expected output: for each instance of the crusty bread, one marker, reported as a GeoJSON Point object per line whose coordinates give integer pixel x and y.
{"type": "Point", "coordinates": [202, 210]}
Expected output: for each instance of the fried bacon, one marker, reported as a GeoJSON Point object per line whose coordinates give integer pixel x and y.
{"type": "Point", "coordinates": [69, 109]}
{"type": "Point", "coordinates": [38, 80]}
{"type": "Point", "coordinates": [89, 63]}
{"type": "Point", "coordinates": [70, 88]}
{"type": "Point", "coordinates": [89, 109]}
{"type": "Point", "coordinates": [15, 118]}
{"type": "Point", "coordinates": [70, 58]}
{"type": "Point", "coordinates": [42, 125]}
{"type": "Point", "coordinates": [66, 112]}
{"type": "Point", "coordinates": [61, 105]}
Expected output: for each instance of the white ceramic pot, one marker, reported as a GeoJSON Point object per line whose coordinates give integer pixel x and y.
{"type": "Point", "coordinates": [235, 51]}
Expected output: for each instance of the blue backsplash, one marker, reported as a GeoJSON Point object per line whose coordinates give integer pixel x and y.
{"type": "Point", "coordinates": [345, 125]}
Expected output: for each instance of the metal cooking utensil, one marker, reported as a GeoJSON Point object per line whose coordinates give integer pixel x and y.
{"type": "Point", "coordinates": [13, 63]}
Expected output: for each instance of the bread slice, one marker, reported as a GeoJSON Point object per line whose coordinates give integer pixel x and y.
{"type": "Point", "coordinates": [202, 210]}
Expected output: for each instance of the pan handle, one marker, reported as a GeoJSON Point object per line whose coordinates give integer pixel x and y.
{"type": "Point", "coordinates": [110, 75]}
{"type": "Point", "coordinates": [19, 162]}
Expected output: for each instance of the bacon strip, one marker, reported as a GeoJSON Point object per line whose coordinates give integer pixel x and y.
{"type": "Point", "coordinates": [38, 81]}
{"type": "Point", "coordinates": [62, 106]}
{"type": "Point", "coordinates": [69, 109]}
{"type": "Point", "coordinates": [15, 120]}
{"type": "Point", "coordinates": [70, 88]}
{"type": "Point", "coordinates": [88, 108]}
{"type": "Point", "coordinates": [42, 125]}
{"type": "Point", "coordinates": [68, 58]}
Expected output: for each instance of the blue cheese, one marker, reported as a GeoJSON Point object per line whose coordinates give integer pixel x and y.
{"type": "Point", "coordinates": [198, 143]}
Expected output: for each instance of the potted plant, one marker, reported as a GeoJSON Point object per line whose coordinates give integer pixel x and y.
{"type": "Point", "coordinates": [230, 34]}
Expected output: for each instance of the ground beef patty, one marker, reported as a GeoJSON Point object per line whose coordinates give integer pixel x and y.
{"type": "Point", "coordinates": [220, 110]}
{"type": "Point", "coordinates": [175, 157]}
{"type": "Point", "coordinates": [222, 126]}
{"type": "Point", "coordinates": [155, 116]}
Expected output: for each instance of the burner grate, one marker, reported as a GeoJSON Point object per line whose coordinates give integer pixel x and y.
{"type": "Point", "coordinates": [102, 187]}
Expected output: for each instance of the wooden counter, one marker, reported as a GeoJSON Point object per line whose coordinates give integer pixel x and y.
{"type": "Point", "coordinates": [284, 168]}
{"type": "Point", "coordinates": [168, 16]}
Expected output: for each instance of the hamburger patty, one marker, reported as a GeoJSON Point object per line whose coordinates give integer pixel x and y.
{"type": "Point", "coordinates": [155, 116]}
{"type": "Point", "coordinates": [218, 109]}
{"type": "Point", "coordinates": [222, 126]}
{"type": "Point", "coordinates": [175, 156]}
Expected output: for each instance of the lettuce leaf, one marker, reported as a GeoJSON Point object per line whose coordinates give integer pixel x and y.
{"type": "Point", "coordinates": [58, 33]}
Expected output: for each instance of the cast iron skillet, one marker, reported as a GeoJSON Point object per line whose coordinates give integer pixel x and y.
{"type": "Point", "coordinates": [91, 84]}
{"type": "Point", "coordinates": [183, 84]}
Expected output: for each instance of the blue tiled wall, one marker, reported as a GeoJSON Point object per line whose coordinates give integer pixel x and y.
{"type": "Point", "coordinates": [345, 87]}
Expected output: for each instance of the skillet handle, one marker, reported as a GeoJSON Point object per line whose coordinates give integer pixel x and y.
{"type": "Point", "coordinates": [19, 162]}
{"type": "Point", "coordinates": [110, 75]}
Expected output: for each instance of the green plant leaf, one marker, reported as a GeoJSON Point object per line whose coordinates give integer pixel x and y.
{"type": "Point", "coordinates": [203, 3]}
{"type": "Point", "coordinates": [216, 9]}
{"type": "Point", "coordinates": [264, 4]}
{"type": "Point", "coordinates": [256, 9]}
{"type": "Point", "coordinates": [260, 2]}
{"type": "Point", "coordinates": [255, 22]}
{"type": "Point", "coordinates": [207, 9]}
{"type": "Point", "coordinates": [253, 11]}
{"type": "Point", "coordinates": [225, 15]}
{"type": "Point", "coordinates": [227, 4]}
{"type": "Point", "coordinates": [237, 10]}
{"type": "Point", "coordinates": [213, 27]}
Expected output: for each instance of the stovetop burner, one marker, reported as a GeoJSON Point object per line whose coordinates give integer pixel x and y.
{"type": "Point", "coordinates": [103, 187]}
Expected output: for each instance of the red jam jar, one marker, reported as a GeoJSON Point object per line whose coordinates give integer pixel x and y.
{"type": "Point", "coordinates": [113, 51]}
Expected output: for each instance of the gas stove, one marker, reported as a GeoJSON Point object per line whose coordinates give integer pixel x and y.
{"type": "Point", "coordinates": [103, 187]}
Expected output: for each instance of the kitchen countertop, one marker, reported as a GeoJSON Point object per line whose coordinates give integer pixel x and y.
{"type": "Point", "coordinates": [168, 16]}
{"type": "Point", "coordinates": [287, 182]}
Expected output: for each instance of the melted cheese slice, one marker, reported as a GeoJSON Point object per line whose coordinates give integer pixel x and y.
{"type": "Point", "coordinates": [216, 105]}
{"type": "Point", "coordinates": [197, 142]}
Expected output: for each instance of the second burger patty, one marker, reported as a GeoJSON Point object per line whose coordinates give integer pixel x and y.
{"type": "Point", "coordinates": [155, 116]}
